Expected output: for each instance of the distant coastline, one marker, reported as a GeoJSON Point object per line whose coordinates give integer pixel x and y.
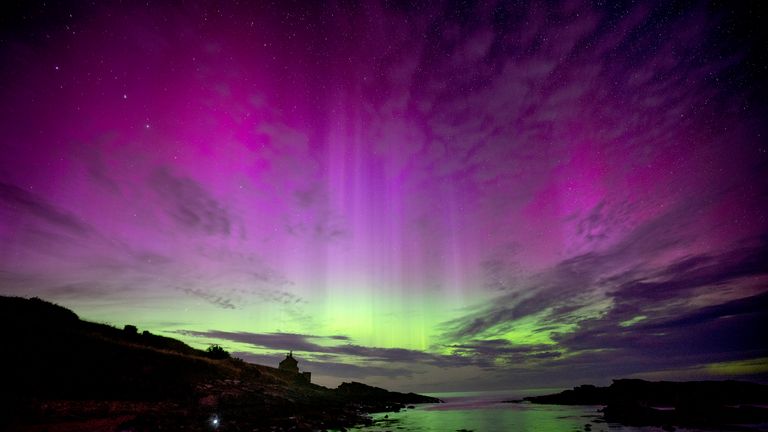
{"type": "Point", "coordinates": [704, 404]}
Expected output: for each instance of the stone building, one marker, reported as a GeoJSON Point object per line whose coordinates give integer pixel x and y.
{"type": "Point", "coordinates": [290, 364]}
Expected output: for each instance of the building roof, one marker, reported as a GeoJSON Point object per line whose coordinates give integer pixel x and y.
{"type": "Point", "coordinates": [289, 362]}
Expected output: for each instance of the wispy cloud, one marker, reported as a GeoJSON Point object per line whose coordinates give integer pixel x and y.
{"type": "Point", "coordinates": [331, 345]}
{"type": "Point", "coordinates": [284, 298]}
{"type": "Point", "coordinates": [338, 369]}
{"type": "Point", "coordinates": [685, 312]}
{"type": "Point", "coordinates": [23, 204]}
{"type": "Point", "coordinates": [189, 204]}
{"type": "Point", "coordinates": [281, 341]}
{"type": "Point", "coordinates": [210, 297]}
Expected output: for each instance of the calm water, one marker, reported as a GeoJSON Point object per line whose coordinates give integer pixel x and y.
{"type": "Point", "coordinates": [484, 412]}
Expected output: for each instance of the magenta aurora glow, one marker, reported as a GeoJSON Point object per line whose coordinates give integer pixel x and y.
{"type": "Point", "coordinates": [460, 195]}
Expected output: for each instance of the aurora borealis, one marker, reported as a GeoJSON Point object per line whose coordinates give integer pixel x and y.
{"type": "Point", "coordinates": [442, 196]}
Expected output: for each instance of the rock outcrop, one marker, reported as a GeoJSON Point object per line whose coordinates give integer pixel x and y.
{"type": "Point", "coordinates": [707, 404]}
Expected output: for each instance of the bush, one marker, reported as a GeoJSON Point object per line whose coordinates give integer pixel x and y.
{"type": "Point", "coordinates": [130, 330]}
{"type": "Point", "coordinates": [217, 352]}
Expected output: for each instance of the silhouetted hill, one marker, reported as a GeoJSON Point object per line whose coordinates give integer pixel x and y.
{"type": "Point", "coordinates": [374, 395]}
{"type": "Point", "coordinates": [64, 374]}
{"type": "Point", "coordinates": [709, 404]}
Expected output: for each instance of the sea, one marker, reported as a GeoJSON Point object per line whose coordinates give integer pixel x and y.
{"type": "Point", "coordinates": [486, 412]}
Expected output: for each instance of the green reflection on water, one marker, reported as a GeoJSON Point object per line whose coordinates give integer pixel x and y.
{"type": "Point", "coordinates": [489, 417]}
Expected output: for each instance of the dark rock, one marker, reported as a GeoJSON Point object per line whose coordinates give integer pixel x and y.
{"type": "Point", "coordinates": [366, 393]}
{"type": "Point", "coordinates": [709, 404]}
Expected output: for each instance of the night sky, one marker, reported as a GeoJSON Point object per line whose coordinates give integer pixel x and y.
{"type": "Point", "coordinates": [439, 196]}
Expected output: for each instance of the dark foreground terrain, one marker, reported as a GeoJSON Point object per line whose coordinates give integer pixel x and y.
{"type": "Point", "coordinates": [717, 405]}
{"type": "Point", "coordinates": [63, 374]}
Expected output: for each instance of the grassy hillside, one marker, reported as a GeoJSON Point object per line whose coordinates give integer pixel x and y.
{"type": "Point", "coordinates": [61, 373]}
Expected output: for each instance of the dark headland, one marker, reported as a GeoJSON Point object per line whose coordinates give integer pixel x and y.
{"type": "Point", "coordinates": [715, 405]}
{"type": "Point", "coordinates": [63, 374]}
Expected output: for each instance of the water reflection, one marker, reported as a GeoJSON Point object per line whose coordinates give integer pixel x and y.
{"type": "Point", "coordinates": [486, 413]}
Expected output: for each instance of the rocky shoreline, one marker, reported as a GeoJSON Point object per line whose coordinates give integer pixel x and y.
{"type": "Point", "coordinates": [717, 405]}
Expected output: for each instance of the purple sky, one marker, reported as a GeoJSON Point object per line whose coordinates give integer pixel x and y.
{"type": "Point", "coordinates": [507, 193]}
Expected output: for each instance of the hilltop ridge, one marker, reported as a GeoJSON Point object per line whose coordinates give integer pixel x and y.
{"type": "Point", "coordinates": [66, 374]}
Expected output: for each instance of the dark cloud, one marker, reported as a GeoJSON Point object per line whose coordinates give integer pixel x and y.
{"type": "Point", "coordinates": [496, 346]}
{"type": "Point", "coordinates": [98, 173]}
{"type": "Point", "coordinates": [308, 197]}
{"type": "Point", "coordinates": [248, 263]}
{"type": "Point", "coordinates": [27, 284]}
{"type": "Point", "coordinates": [270, 276]}
{"type": "Point", "coordinates": [679, 279]}
{"type": "Point", "coordinates": [486, 354]}
{"type": "Point", "coordinates": [23, 203]}
{"type": "Point", "coordinates": [214, 299]}
{"type": "Point", "coordinates": [754, 305]}
{"type": "Point", "coordinates": [189, 204]}
{"type": "Point", "coordinates": [486, 88]}
{"type": "Point", "coordinates": [619, 269]}
{"type": "Point", "coordinates": [97, 170]}
{"type": "Point", "coordinates": [673, 331]}
{"type": "Point", "coordinates": [279, 296]}
{"type": "Point", "coordinates": [347, 370]}
{"type": "Point", "coordinates": [656, 319]}
{"type": "Point", "coordinates": [321, 225]}
{"type": "Point", "coordinates": [302, 342]}
{"type": "Point", "coordinates": [600, 223]}
{"type": "Point", "coordinates": [733, 324]}
{"type": "Point", "coordinates": [559, 287]}
{"type": "Point", "coordinates": [500, 353]}
{"type": "Point", "coordinates": [330, 368]}
{"type": "Point", "coordinates": [79, 291]}
{"type": "Point", "coordinates": [281, 341]}
{"type": "Point", "coordinates": [727, 332]}
{"type": "Point", "coordinates": [388, 354]}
